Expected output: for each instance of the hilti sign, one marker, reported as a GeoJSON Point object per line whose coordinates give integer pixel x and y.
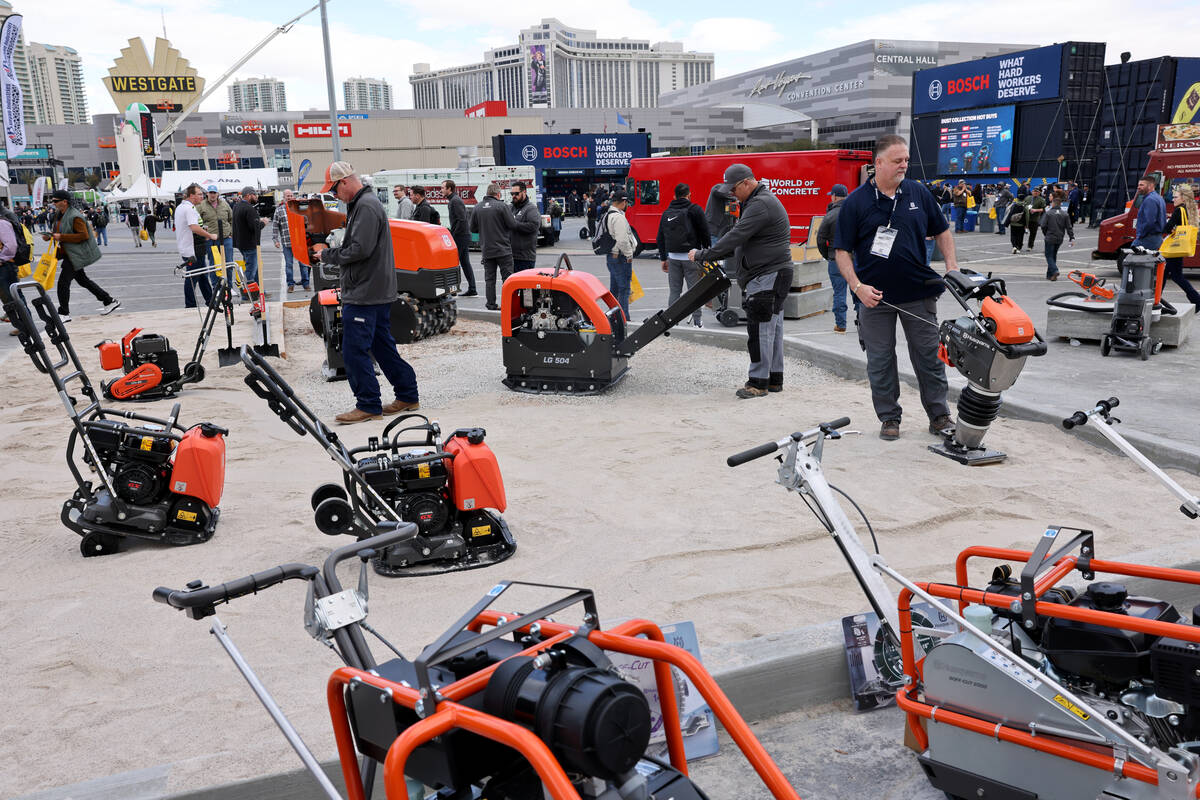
{"type": "Point", "coordinates": [318, 130]}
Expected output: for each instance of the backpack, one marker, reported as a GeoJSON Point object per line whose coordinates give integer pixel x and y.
{"type": "Point", "coordinates": [603, 242]}
{"type": "Point", "coordinates": [24, 254]}
{"type": "Point", "coordinates": [679, 236]}
{"type": "Point", "coordinates": [1016, 215]}
{"type": "Point", "coordinates": [434, 216]}
{"type": "Point", "coordinates": [829, 228]}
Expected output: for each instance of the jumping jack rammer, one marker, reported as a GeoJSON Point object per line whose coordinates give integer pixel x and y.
{"type": "Point", "coordinates": [504, 706]}
{"type": "Point", "coordinates": [1045, 691]}
{"type": "Point", "coordinates": [452, 489]}
{"type": "Point", "coordinates": [158, 480]}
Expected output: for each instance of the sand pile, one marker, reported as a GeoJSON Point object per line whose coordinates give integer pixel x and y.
{"type": "Point", "coordinates": [626, 493]}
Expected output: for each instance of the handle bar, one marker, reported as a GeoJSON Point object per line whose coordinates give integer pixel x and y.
{"type": "Point", "coordinates": [766, 449]}
{"type": "Point", "coordinates": [1081, 417]}
{"type": "Point", "coordinates": [199, 601]}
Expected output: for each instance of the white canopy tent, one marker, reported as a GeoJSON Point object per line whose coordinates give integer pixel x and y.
{"type": "Point", "coordinates": [226, 180]}
{"type": "Point", "coordinates": [142, 189]}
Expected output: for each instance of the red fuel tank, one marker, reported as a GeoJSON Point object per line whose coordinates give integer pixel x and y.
{"type": "Point", "coordinates": [474, 472]}
{"type": "Point", "coordinates": [200, 467]}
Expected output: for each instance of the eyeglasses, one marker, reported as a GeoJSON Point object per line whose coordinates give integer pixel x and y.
{"type": "Point", "coordinates": [334, 186]}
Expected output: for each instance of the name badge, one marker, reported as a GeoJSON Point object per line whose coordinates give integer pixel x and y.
{"type": "Point", "coordinates": [885, 237]}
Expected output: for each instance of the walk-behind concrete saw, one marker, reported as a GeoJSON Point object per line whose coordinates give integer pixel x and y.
{"type": "Point", "coordinates": [1044, 691]}
{"type": "Point", "coordinates": [988, 347]}
{"type": "Point", "coordinates": [452, 489]}
{"type": "Point", "coordinates": [564, 333]}
{"type": "Point", "coordinates": [427, 277]}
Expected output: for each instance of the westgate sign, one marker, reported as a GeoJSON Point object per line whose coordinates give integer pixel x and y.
{"type": "Point", "coordinates": [130, 84]}
{"type": "Point", "coordinates": [167, 78]}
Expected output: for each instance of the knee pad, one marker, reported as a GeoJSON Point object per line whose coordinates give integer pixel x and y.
{"type": "Point", "coordinates": [759, 307]}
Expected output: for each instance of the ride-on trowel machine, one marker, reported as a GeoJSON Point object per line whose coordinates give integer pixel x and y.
{"type": "Point", "coordinates": [988, 347]}
{"type": "Point", "coordinates": [564, 333]}
{"type": "Point", "coordinates": [1134, 306]}
{"type": "Point", "coordinates": [158, 480]}
{"type": "Point", "coordinates": [452, 489]}
{"type": "Point", "coordinates": [1045, 691]}
{"type": "Point", "coordinates": [500, 706]}
{"type": "Point", "coordinates": [427, 277]}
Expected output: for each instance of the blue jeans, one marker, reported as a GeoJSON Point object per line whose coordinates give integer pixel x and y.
{"type": "Point", "coordinates": [620, 276]}
{"type": "Point", "coordinates": [102, 235]}
{"type": "Point", "coordinates": [367, 333]}
{"type": "Point", "coordinates": [946, 209]}
{"type": "Point", "coordinates": [930, 246]}
{"type": "Point", "coordinates": [251, 267]}
{"type": "Point", "coordinates": [205, 282]}
{"type": "Point", "coordinates": [1051, 256]}
{"type": "Point", "coordinates": [839, 294]}
{"type": "Point", "coordinates": [288, 262]}
{"type": "Point", "coordinates": [960, 218]}
{"type": "Point", "coordinates": [1000, 209]}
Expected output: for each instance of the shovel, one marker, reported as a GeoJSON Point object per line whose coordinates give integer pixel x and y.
{"type": "Point", "coordinates": [264, 319]}
{"type": "Point", "coordinates": [226, 356]}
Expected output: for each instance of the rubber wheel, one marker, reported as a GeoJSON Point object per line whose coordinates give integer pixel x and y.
{"type": "Point", "coordinates": [193, 372]}
{"type": "Point", "coordinates": [1105, 346]}
{"type": "Point", "coordinates": [334, 517]}
{"type": "Point", "coordinates": [1145, 348]}
{"type": "Point", "coordinates": [97, 544]}
{"type": "Point", "coordinates": [729, 318]}
{"type": "Point", "coordinates": [326, 491]}
{"type": "Point", "coordinates": [315, 317]}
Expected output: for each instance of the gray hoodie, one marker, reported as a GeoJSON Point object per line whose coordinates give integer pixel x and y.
{"type": "Point", "coordinates": [1056, 223]}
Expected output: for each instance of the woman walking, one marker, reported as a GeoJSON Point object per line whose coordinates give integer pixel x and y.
{"type": "Point", "coordinates": [1015, 220]}
{"type": "Point", "coordinates": [150, 223]}
{"type": "Point", "coordinates": [1184, 200]}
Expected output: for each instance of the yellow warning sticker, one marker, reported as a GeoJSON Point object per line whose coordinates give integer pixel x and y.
{"type": "Point", "coordinates": [480, 530]}
{"type": "Point", "coordinates": [186, 516]}
{"type": "Point", "coordinates": [1069, 706]}
{"type": "Point", "coordinates": [147, 442]}
{"type": "Point", "coordinates": [422, 470]}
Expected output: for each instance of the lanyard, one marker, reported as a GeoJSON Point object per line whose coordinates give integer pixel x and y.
{"type": "Point", "coordinates": [895, 199]}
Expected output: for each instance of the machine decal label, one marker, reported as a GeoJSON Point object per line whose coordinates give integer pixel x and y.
{"type": "Point", "coordinates": [180, 487]}
{"type": "Point", "coordinates": [1050, 533]}
{"type": "Point", "coordinates": [186, 516]}
{"type": "Point", "coordinates": [147, 443]}
{"type": "Point", "coordinates": [480, 530]}
{"type": "Point", "coordinates": [1069, 706]}
{"type": "Point", "coordinates": [422, 470]}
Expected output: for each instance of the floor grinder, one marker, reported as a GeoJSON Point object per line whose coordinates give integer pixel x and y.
{"type": "Point", "coordinates": [1106, 423]}
{"type": "Point", "coordinates": [158, 480]}
{"type": "Point", "coordinates": [1045, 691]}
{"type": "Point", "coordinates": [988, 346]}
{"type": "Point", "coordinates": [427, 277]}
{"type": "Point", "coordinates": [503, 706]}
{"type": "Point", "coordinates": [564, 333]}
{"type": "Point", "coordinates": [451, 489]}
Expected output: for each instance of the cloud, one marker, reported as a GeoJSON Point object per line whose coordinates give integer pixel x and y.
{"type": "Point", "coordinates": [732, 35]}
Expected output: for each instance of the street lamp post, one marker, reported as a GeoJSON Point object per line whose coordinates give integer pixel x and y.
{"type": "Point", "coordinates": [333, 121]}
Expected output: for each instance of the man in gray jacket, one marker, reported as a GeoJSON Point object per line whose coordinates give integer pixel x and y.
{"type": "Point", "coordinates": [524, 240]}
{"type": "Point", "coordinates": [760, 244]}
{"type": "Point", "coordinates": [1056, 225]}
{"type": "Point", "coordinates": [461, 231]}
{"type": "Point", "coordinates": [368, 282]}
{"type": "Point", "coordinates": [495, 223]}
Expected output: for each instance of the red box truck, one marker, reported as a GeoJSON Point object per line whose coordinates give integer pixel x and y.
{"type": "Point", "coordinates": [801, 180]}
{"type": "Point", "coordinates": [1174, 161]}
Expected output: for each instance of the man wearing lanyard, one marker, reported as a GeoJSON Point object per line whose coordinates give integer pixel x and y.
{"type": "Point", "coordinates": [882, 229]}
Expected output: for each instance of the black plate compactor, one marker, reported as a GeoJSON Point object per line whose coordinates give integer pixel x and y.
{"type": "Point", "coordinates": [564, 332]}
{"type": "Point", "coordinates": [157, 479]}
{"type": "Point", "coordinates": [451, 489]}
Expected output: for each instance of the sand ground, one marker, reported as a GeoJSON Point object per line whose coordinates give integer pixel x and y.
{"type": "Point", "coordinates": [626, 493]}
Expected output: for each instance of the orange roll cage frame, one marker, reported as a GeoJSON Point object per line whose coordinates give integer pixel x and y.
{"type": "Point", "coordinates": [917, 710]}
{"type": "Point", "coordinates": [451, 714]}
{"type": "Point", "coordinates": [583, 287]}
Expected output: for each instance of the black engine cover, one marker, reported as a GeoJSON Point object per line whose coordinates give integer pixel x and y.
{"type": "Point", "coordinates": [140, 483]}
{"type": "Point", "coordinates": [152, 348]}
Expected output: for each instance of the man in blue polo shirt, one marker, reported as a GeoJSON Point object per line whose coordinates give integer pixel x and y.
{"type": "Point", "coordinates": [1152, 215]}
{"type": "Point", "coordinates": [882, 229]}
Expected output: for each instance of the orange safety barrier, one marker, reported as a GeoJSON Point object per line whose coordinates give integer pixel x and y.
{"type": "Point", "coordinates": [624, 638]}
{"type": "Point", "coordinates": [915, 710]}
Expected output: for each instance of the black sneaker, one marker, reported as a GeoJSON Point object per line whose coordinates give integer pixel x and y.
{"type": "Point", "coordinates": [492, 307]}
{"type": "Point", "coordinates": [469, 293]}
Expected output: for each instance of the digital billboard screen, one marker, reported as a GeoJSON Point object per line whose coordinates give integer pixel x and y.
{"type": "Point", "coordinates": [976, 142]}
{"type": "Point", "coordinates": [1012, 78]}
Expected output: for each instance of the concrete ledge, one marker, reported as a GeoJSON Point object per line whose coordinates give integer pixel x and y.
{"type": "Point", "coordinates": [1063, 323]}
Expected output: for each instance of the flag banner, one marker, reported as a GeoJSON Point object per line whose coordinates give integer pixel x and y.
{"type": "Point", "coordinates": [10, 89]}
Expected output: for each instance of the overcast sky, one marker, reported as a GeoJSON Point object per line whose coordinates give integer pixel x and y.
{"type": "Point", "coordinates": [384, 38]}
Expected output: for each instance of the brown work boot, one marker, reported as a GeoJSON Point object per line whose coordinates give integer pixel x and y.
{"type": "Point", "coordinates": [399, 406]}
{"type": "Point", "coordinates": [939, 425]}
{"type": "Point", "coordinates": [748, 391]}
{"type": "Point", "coordinates": [355, 415]}
{"type": "Point", "coordinates": [890, 430]}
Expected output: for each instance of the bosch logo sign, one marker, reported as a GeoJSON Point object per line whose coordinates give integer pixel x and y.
{"type": "Point", "coordinates": [935, 90]}
{"type": "Point", "coordinates": [529, 152]}
{"type": "Point", "coordinates": [975, 83]}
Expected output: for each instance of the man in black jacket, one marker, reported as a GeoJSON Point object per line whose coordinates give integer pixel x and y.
{"type": "Point", "coordinates": [494, 222]}
{"type": "Point", "coordinates": [247, 227]}
{"type": "Point", "coordinates": [367, 275]}
{"type": "Point", "coordinates": [461, 231]}
{"type": "Point", "coordinates": [760, 244]}
{"type": "Point", "coordinates": [682, 228]}
{"type": "Point", "coordinates": [529, 221]}
{"type": "Point", "coordinates": [422, 211]}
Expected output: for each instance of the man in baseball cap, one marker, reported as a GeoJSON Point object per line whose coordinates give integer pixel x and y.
{"type": "Point", "coordinates": [367, 275]}
{"type": "Point", "coordinates": [77, 249]}
{"type": "Point", "coordinates": [734, 175]}
{"type": "Point", "coordinates": [838, 190]}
